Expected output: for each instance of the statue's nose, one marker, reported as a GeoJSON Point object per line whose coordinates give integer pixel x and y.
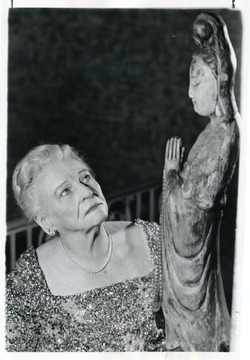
{"type": "Point", "coordinates": [190, 92]}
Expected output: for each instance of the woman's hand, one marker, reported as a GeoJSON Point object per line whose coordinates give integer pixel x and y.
{"type": "Point", "coordinates": [174, 154]}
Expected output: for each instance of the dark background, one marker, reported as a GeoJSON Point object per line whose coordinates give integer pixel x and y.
{"type": "Point", "coordinates": [114, 84]}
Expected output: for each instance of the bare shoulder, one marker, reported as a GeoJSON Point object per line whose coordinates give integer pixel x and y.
{"type": "Point", "coordinates": [127, 232]}
{"type": "Point", "coordinates": [130, 244]}
{"type": "Point", "coordinates": [44, 250]}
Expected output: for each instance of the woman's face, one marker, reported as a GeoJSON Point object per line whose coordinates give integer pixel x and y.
{"type": "Point", "coordinates": [203, 88]}
{"type": "Point", "coordinates": [70, 197]}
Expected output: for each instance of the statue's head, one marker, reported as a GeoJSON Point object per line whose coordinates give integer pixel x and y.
{"type": "Point", "coordinates": [212, 68]}
{"type": "Point", "coordinates": [203, 87]}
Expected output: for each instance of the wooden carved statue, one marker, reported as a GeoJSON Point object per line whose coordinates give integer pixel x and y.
{"type": "Point", "coordinates": [194, 195]}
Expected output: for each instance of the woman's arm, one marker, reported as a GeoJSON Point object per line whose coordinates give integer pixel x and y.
{"type": "Point", "coordinates": [22, 328]}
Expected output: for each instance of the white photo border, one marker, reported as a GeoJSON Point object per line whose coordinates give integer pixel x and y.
{"type": "Point", "coordinates": [241, 297]}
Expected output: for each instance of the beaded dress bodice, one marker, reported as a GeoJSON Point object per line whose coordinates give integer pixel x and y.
{"type": "Point", "coordinates": [118, 317]}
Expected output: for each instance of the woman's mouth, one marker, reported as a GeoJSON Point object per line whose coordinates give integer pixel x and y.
{"type": "Point", "coordinates": [92, 208]}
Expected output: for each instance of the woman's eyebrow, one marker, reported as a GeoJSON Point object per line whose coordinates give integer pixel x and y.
{"type": "Point", "coordinates": [61, 185]}
{"type": "Point", "coordinates": [66, 181]}
{"type": "Point", "coordinates": [79, 172]}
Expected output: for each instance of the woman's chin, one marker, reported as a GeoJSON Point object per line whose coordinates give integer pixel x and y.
{"type": "Point", "coordinates": [100, 214]}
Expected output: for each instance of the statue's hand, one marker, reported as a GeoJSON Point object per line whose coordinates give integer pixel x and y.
{"type": "Point", "coordinates": [174, 154]}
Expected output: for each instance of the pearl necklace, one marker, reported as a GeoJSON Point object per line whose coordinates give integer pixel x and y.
{"type": "Point", "coordinates": [88, 270]}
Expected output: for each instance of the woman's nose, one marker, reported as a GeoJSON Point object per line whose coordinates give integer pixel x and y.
{"type": "Point", "coordinates": [86, 191]}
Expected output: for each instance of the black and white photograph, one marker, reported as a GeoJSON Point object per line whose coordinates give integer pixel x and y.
{"type": "Point", "coordinates": [125, 179]}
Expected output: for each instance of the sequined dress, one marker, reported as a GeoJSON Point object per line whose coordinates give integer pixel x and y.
{"type": "Point", "coordinates": [119, 317]}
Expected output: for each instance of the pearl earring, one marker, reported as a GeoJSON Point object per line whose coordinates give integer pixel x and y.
{"type": "Point", "coordinates": [52, 232]}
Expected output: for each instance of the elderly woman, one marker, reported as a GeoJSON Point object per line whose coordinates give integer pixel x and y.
{"type": "Point", "coordinates": [94, 286]}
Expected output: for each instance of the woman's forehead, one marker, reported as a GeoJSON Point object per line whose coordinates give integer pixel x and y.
{"type": "Point", "coordinates": [63, 168]}
{"type": "Point", "coordinates": [74, 162]}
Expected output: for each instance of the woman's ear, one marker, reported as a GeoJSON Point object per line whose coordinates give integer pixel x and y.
{"type": "Point", "coordinates": [45, 225]}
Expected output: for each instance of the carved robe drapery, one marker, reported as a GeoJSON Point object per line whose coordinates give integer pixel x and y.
{"type": "Point", "coordinates": [194, 306]}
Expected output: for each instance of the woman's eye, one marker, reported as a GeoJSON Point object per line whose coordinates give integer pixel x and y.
{"type": "Point", "coordinates": [85, 179]}
{"type": "Point", "coordinates": [65, 192]}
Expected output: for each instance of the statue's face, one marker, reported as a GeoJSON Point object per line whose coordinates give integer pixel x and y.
{"type": "Point", "coordinates": [203, 87]}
